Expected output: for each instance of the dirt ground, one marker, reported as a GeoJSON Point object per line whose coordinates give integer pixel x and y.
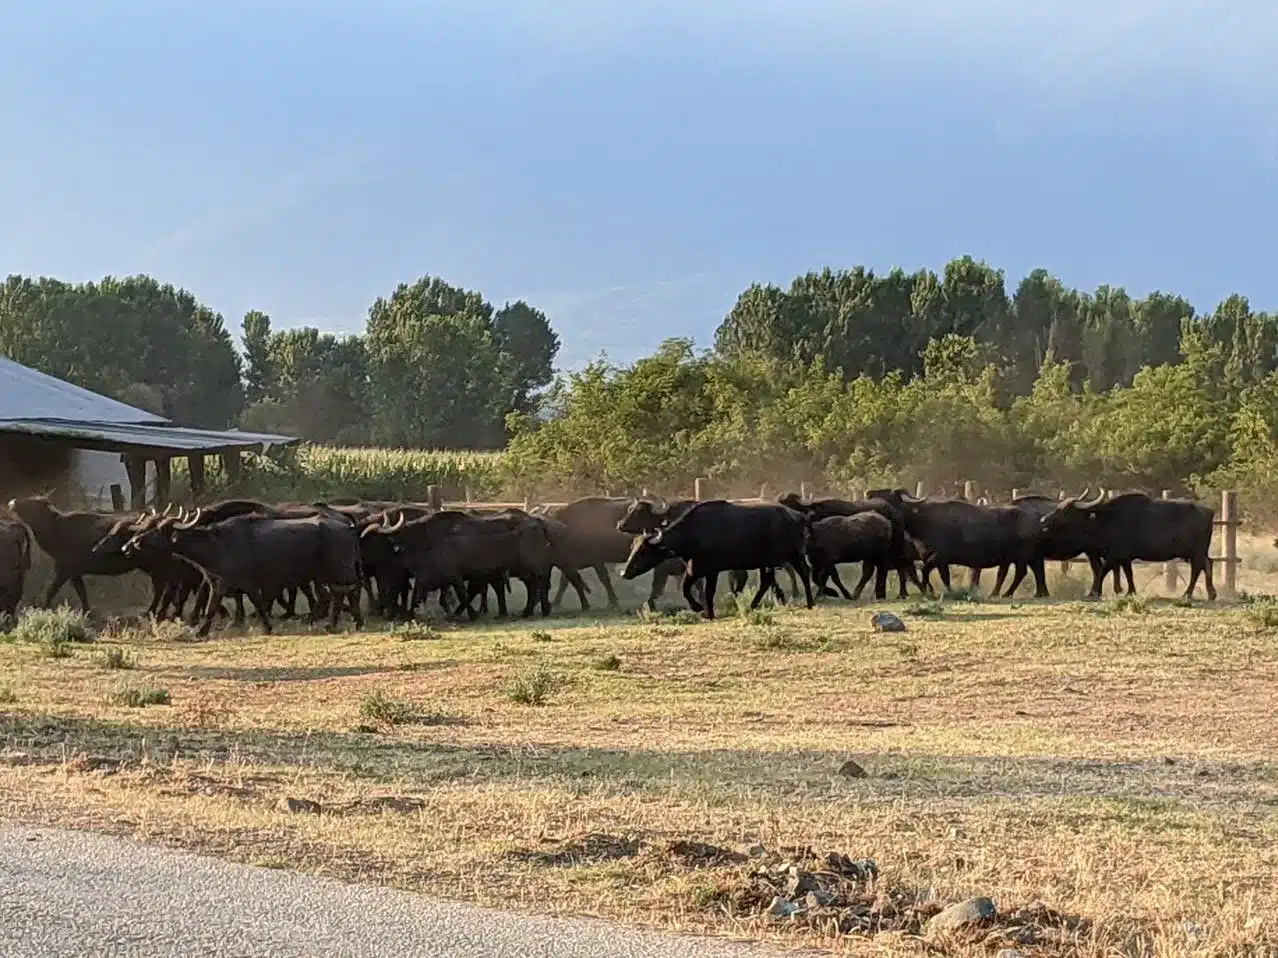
{"type": "Point", "coordinates": [1105, 772]}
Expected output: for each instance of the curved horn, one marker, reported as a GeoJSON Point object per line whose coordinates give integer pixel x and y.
{"type": "Point", "coordinates": [655, 537]}
{"type": "Point", "coordinates": [192, 521]}
{"type": "Point", "coordinates": [396, 525]}
{"type": "Point", "coordinates": [1092, 503]}
{"type": "Point", "coordinates": [168, 509]}
{"type": "Point", "coordinates": [151, 512]}
{"type": "Point", "coordinates": [664, 507]}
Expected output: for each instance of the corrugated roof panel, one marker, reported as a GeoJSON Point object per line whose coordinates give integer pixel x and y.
{"type": "Point", "coordinates": [121, 436]}
{"type": "Point", "coordinates": [26, 393]}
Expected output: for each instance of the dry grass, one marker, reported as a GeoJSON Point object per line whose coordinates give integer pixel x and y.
{"type": "Point", "coordinates": [1117, 765]}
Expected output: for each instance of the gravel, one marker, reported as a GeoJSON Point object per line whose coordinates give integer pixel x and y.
{"type": "Point", "coordinates": [77, 893]}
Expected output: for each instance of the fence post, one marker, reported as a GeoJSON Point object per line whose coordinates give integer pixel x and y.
{"type": "Point", "coordinates": [699, 489]}
{"type": "Point", "coordinates": [1170, 578]}
{"type": "Point", "coordinates": [434, 498]}
{"type": "Point", "coordinates": [1016, 494]}
{"type": "Point", "coordinates": [763, 492]}
{"type": "Point", "coordinates": [969, 490]}
{"type": "Point", "coordinates": [1229, 515]}
{"type": "Point", "coordinates": [919, 490]}
{"type": "Point", "coordinates": [803, 491]}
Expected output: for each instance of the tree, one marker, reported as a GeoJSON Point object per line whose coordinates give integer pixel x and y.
{"type": "Point", "coordinates": [259, 377]}
{"type": "Point", "coordinates": [523, 334]}
{"type": "Point", "coordinates": [119, 334]}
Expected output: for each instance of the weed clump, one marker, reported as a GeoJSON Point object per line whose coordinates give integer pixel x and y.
{"type": "Point", "coordinates": [117, 658]}
{"type": "Point", "coordinates": [380, 708]}
{"type": "Point", "coordinates": [52, 626]}
{"type": "Point", "coordinates": [609, 663]}
{"type": "Point", "coordinates": [1263, 613]}
{"type": "Point", "coordinates": [138, 696]}
{"type": "Point", "coordinates": [534, 687]}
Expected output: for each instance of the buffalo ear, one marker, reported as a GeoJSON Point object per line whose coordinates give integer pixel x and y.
{"type": "Point", "coordinates": [1091, 516]}
{"type": "Point", "coordinates": [655, 537]}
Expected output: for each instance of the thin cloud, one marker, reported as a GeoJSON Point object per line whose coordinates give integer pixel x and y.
{"type": "Point", "coordinates": [255, 208]}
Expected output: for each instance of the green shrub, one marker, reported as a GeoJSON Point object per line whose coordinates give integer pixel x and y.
{"type": "Point", "coordinates": [51, 626]}
{"type": "Point", "coordinates": [137, 696]}
{"type": "Point", "coordinates": [534, 687]}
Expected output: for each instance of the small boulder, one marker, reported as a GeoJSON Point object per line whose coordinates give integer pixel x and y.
{"type": "Point", "coordinates": [300, 805]}
{"type": "Point", "coordinates": [851, 769]}
{"type": "Point", "coordinates": [887, 622]}
{"type": "Point", "coordinates": [966, 914]}
{"type": "Point", "coordinates": [781, 908]}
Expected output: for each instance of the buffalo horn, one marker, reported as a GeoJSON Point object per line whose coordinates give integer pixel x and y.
{"type": "Point", "coordinates": [664, 507]}
{"type": "Point", "coordinates": [1093, 503]}
{"type": "Point", "coordinates": [190, 523]}
{"type": "Point", "coordinates": [397, 524]}
{"type": "Point", "coordinates": [655, 537]}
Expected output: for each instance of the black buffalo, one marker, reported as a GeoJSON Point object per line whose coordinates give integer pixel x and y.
{"type": "Point", "coordinates": [957, 532]}
{"type": "Point", "coordinates": [720, 536]}
{"type": "Point", "coordinates": [262, 556]}
{"type": "Point", "coordinates": [903, 553]}
{"type": "Point", "coordinates": [865, 537]}
{"type": "Point", "coordinates": [15, 562]}
{"type": "Point", "coordinates": [1135, 527]}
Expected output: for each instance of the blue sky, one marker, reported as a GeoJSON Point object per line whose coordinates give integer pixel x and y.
{"type": "Point", "coordinates": [631, 167]}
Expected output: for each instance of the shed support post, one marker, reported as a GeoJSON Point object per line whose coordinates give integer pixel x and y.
{"type": "Point", "coordinates": [195, 464]}
{"type": "Point", "coordinates": [232, 465]}
{"type": "Point", "coordinates": [163, 482]}
{"type": "Point", "coordinates": [135, 466]}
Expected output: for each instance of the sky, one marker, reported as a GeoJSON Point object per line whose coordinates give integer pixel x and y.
{"type": "Point", "coordinates": [631, 167]}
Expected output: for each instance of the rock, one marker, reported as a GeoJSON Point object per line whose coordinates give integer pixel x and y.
{"type": "Point", "coordinates": [1008, 953]}
{"type": "Point", "coordinates": [755, 851]}
{"type": "Point", "coordinates": [800, 882]}
{"type": "Point", "coordinates": [300, 805]}
{"type": "Point", "coordinates": [781, 908]}
{"type": "Point", "coordinates": [819, 899]}
{"type": "Point", "coordinates": [1203, 773]}
{"type": "Point", "coordinates": [851, 769]}
{"type": "Point", "coordinates": [1168, 760]}
{"type": "Point", "coordinates": [887, 622]}
{"type": "Point", "coordinates": [966, 914]}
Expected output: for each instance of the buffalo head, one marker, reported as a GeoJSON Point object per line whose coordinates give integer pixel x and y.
{"type": "Point", "coordinates": [643, 516]}
{"type": "Point", "coordinates": [646, 553]}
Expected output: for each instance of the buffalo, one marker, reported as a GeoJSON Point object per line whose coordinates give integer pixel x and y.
{"type": "Point", "coordinates": [15, 562]}
{"type": "Point", "coordinates": [1135, 527]}
{"type": "Point", "coordinates": [720, 536]}
{"type": "Point", "coordinates": [957, 532]}
{"type": "Point", "coordinates": [865, 537]}
{"type": "Point", "coordinates": [69, 538]}
{"type": "Point", "coordinates": [262, 556]}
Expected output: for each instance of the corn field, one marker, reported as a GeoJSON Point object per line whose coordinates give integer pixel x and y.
{"type": "Point", "coordinates": [310, 472]}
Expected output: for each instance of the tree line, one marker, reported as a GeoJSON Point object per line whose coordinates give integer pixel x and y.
{"type": "Point", "coordinates": [436, 367]}
{"type": "Point", "coordinates": [845, 377]}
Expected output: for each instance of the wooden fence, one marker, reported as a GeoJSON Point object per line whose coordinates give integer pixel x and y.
{"type": "Point", "coordinates": [1227, 518]}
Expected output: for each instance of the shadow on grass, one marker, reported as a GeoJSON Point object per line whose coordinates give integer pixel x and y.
{"type": "Point", "coordinates": [283, 674]}
{"type": "Point", "coordinates": [720, 774]}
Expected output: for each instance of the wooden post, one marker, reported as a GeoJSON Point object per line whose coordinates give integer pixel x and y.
{"type": "Point", "coordinates": [803, 491]}
{"type": "Point", "coordinates": [232, 465]}
{"type": "Point", "coordinates": [195, 464]}
{"type": "Point", "coordinates": [969, 490]}
{"type": "Point", "coordinates": [1016, 494]}
{"type": "Point", "coordinates": [919, 490]}
{"type": "Point", "coordinates": [527, 501]}
{"type": "Point", "coordinates": [1229, 515]}
{"type": "Point", "coordinates": [135, 466]}
{"type": "Point", "coordinates": [763, 492]}
{"type": "Point", "coordinates": [1170, 578]}
{"type": "Point", "coordinates": [434, 498]}
{"type": "Point", "coordinates": [643, 493]}
{"type": "Point", "coordinates": [699, 489]}
{"type": "Point", "coordinates": [163, 481]}
{"type": "Point", "coordinates": [117, 497]}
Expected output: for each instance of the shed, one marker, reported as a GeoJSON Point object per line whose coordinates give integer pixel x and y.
{"type": "Point", "coordinates": [51, 428]}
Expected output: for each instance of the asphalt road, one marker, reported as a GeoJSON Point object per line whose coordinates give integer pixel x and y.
{"type": "Point", "coordinates": [81, 894]}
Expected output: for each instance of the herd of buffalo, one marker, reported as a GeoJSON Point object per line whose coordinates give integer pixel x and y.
{"type": "Point", "coordinates": [397, 554]}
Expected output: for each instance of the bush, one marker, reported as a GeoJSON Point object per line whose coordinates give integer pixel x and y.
{"type": "Point", "coordinates": [379, 708]}
{"type": "Point", "coordinates": [137, 696]}
{"type": "Point", "coordinates": [533, 688]}
{"type": "Point", "coordinates": [117, 658]}
{"type": "Point", "coordinates": [609, 663]}
{"type": "Point", "coordinates": [53, 626]}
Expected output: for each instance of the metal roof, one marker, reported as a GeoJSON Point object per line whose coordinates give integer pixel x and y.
{"type": "Point", "coordinates": [36, 404]}
{"type": "Point", "coordinates": [113, 437]}
{"type": "Point", "coordinates": [26, 393]}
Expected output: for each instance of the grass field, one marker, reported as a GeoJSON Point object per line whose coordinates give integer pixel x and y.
{"type": "Point", "coordinates": [1106, 772]}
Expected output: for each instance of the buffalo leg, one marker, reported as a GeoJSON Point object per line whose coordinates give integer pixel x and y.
{"type": "Point", "coordinates": [908, 571]}
{"type": "Point", "coordinates": [689, 580]}
{"type": "Point", "coordinates": [1127, 568]}
{"type": "Point", "coordinates": [801, 566]}
{"type": "Point", "coordinates": [737, 580]}
{"type": "Point", "coordinates": [822, 577]}
{"type": "Point", "coordinates": [1039, 568]}
{"type": "Point", "coordinates": [867, 570]}
{"type": "Point", "coordinates": [60, 579]}
{"type": "Point", "coordinates": [568, 575]}
{"type": "Point", "coordinates": [999, 580]}
{"type": "Point", "coordinates": [659, 578]}
{"type": "Point", "coordinates": [601, 571]}
{"type": "Point", "coordinates": [1021, 570]}
{"type": "Point", "coordinates": [974, 578]}
{"type": "Point", "coordinates": [767, 581]}
{"type": "Point", "coordinates": [712, 583]}
{"type": "Point", "coordinates": [881, 570]}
